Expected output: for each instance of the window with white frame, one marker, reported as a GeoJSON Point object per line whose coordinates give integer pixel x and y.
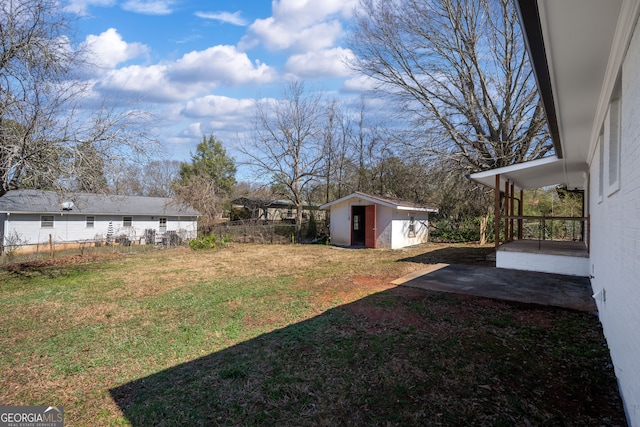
{"type": "Point", "coordinates": [612, 142]}
{"type": "Point", "coordinates": [127, 221]}
{"type": "Point", "coordinates": [90, 220]}
{"type": "Point", "coordinates": [46, 221]}
{"type": "Point", "coordinates": [600, 167]}
{"type": "Point", "coordinates": [162, 225]}
{"type": "Point", "coordinates": [412, 226]}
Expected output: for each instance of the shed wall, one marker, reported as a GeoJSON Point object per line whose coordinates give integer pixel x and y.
{"type": "Point", "coordinates": [402, 237]}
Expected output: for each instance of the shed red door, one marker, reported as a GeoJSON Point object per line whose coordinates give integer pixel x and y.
{"type": "Point", "coordinates": [370, 226]}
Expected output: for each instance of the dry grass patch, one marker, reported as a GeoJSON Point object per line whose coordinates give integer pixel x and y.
{"type": "Point", "coordinates": [291, 335]}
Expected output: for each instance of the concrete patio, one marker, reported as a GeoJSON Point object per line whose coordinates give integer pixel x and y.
{"type": "Point", "coordinates": [505, 284]}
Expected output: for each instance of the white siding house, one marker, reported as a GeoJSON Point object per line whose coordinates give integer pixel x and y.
{"type": "Point", "coordinates": [586, 57]}
{"type": "Point", "coordinates": [29, 217]}
{"type": "Point", "coordinates": [361, 219]}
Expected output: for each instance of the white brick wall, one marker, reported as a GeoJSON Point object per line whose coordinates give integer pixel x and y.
{"type": "Point", "coordinates": [615, 243]}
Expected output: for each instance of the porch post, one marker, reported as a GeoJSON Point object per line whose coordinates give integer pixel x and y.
{"type": "Point", "coordinates": [496, 212]}
{"type": "Point", "coordinates": [520, 213]}
{"type": "Point", "coordinates": [507, 199]}
{"type": "Point", "coordinates": [511, 211]}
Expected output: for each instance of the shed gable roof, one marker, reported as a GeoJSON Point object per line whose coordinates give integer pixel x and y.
{"type": "Point", "coordinates": [391, 202]}
{"type": "Point", "coordinates": [42, 202]}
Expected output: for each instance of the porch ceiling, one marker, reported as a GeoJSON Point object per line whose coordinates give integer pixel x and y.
{"type": "Point", "coordinates": [535, 174]}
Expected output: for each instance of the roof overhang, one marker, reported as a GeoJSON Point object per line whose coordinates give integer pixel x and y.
{"type": "Point", "coordinates": [534, 174]}
{"type": "Point", "coordinates": [379, 201]}
{"type": "Point", "coordinates": [576, 48]}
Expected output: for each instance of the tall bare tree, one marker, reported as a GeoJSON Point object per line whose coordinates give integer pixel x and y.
{"type": "Point", "coordinates": [459, 68]}
{"type": "Point", "coordinates": [46, 136]}
{"type": "Point", "coordinates": [287, 143]}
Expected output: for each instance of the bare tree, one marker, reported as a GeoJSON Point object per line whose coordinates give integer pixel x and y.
{"type": "Point", "coordinates": [153, 179]}
{"type": "Point", "coordinates": [287, 144]}
{"type": "Point", "coordinates": [459, 68]}
{"type": "Point", "coordinates": [46, 137]}
{"type": "Point", "coordinates": [204, 195]}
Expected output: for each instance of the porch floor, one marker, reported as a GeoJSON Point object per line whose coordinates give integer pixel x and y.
{"type": "Point", "coordinates": [548, 247]}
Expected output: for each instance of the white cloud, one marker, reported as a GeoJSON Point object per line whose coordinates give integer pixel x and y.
{"type": "Point", "coordinates": [80, 7]}
{"type": "Point", "coordinates": [194, 74]}
{"type": "Point", "coordinates": [300, 25]}
{"type": "Point", "coordinates": [220, 64]}
{"type": "Point", "coordinates": [218, 107]}
{"type": "Point", "coordinates": [108, 49]}
{"type": "Point", "coordinates": [234, 18]}
{"type": "Point", "coordinates": [360, 83]}
{"type": "Point", "coordinates": [149, 7]}
{"type": "Point", "coordinates": [323, 63]}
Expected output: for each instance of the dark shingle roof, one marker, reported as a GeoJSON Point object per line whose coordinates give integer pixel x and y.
{"type": "Point", "coordinates": [39, 201]}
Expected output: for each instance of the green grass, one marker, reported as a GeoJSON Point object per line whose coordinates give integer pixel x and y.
{"type": "Point", "coordinates": [295, 335]}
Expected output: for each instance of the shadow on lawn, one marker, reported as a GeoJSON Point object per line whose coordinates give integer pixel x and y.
{"type": "Point", "coordinates": [399, 357]}
{"type": "Point", "coordinates": [467, 254]}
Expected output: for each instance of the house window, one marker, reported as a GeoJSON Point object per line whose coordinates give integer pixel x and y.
{"type": "Point", "coordinates": [612, 141]}
{"type": "Point", "coordinates": [601, 168]}
{"type": "Point", "coordinates": [90, 221]}
{"type": "Point", "coordinates": [126, 221]}
{"type": "Point", "coordinates": [46, 221]}
{"type": "Point", "coordinates": [412, 226]}
{"type": "Point", "coordinates": [162, 226]}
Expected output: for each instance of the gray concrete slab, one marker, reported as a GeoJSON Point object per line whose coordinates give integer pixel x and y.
{"type": "Point", "coordinates": [504, 284]}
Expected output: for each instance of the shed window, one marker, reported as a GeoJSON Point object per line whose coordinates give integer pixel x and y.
{"type": "Point", "coordinates": [126, 221]}
{"type": "Point", "coordinates": [162, 226]}
{"type": "Point", "coordinates": [90, 221]}
{"type": "Point", "coordinates": [46, 221]}
{"type": "Point", "coordinates": [412, 226]}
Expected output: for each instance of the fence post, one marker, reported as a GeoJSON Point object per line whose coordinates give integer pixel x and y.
{"type": "Point", "coordinates": [51, 252]}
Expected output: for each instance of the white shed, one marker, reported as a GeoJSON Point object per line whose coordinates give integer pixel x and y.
{"type": "Point", "coordinates": [361, 219]}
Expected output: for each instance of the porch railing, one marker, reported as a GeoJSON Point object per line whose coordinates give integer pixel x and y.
{"type": "Point", "coordinates": [534, 227]}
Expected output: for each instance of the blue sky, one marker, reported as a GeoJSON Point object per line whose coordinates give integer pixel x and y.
{"type": "Point", "coordinates": [200, 65]}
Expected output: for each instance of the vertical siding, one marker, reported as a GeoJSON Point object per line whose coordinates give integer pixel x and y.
{"type": "Point", "coordinates": [384, 227]}
{"type": "Point", "coordinates": [615, 242]}
{"type": "Point", "coordinates": [340, 225]}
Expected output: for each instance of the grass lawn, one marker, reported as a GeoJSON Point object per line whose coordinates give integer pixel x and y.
{"type": "Point", "coordinates": [291, 335]}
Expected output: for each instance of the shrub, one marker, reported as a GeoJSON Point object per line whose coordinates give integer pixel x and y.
{"type": "Point", "coordinates": [209, 242]}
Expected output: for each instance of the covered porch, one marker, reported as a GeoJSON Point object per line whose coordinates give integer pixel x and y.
{"type": "Point", "coordinates": [517, 247]}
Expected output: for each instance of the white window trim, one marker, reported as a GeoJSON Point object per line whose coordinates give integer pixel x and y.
{"type": "Point", "coordinates": [601, 168]}
{"type": "Point", "coordinates": [130, 221]}
{"type": "Point", "coordinates": [53, 221]}
{"type": "Point", "coordinates": [613, 140]}
{"type": "Point", "coordinates": [86, 221]}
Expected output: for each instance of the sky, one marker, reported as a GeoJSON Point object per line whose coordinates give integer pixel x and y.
{"type": "Point", "coordinates": [199, 66]}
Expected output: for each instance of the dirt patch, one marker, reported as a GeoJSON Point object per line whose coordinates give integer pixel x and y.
{"type": "Point", "coordinates": [61, 261]}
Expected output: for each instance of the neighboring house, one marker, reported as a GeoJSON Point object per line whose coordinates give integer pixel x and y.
{"type": "Point", "coordinates": [29, 217]}
{"type": "Point", "coordinates": [586, 57]}
{"type": "Point", "coordinates": [274, 210]}
{"type": "Point", "coordinates": [377, 222]}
